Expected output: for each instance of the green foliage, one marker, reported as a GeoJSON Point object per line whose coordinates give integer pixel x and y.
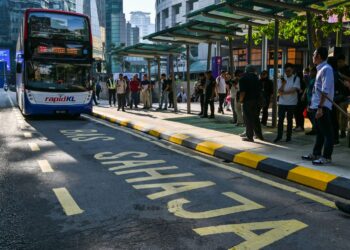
{"type": "Point", "coordinates": [295, 29]}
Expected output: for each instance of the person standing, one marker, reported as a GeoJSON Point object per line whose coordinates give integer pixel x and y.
{"type": "Point", "coordinates": [308, 97]}
{"type": "Point", "coordinates": [165, 92]}
{"type": "Point", "coordinates": [127, 91]}
{"type": "Point", "coordinates": [288, 88]}
{"type": "Point", "coordinates": [210, 87]}
{"type": "Point", "coordinates": [171, 93]}
{"type": "Point", "coordinates": [344, 73]}
{"type": "Point", "coordinates": [134, 89]}
{"type": "Point", "coordinates": [267, 85]}
{"type": "Point", "coordinates": [93, 88]}
{"type": "Point", "coordinates": [145, 89]}
{"type": "Point", "coordinates": [201, 87]}
{"type": "Point", "coordinates": [250, 91]}
{"type": "Point", "coordinates": [121, 90]}
{"type": "Point", "coordinates": [235, 93]}
{"type": "Point", "coordinates": [111, 91]}
{"type": "Point", "coordinates": [221, 90]}
{"type": "Point", "coordinates": [321, 107]}
{"type": "Point", "coordinates": [98, 89]}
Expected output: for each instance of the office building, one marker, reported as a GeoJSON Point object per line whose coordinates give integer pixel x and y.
{"type": "Point", "coordinates": [115, 32]}
{"type": "Point", "coordinates": [143, 21]}
{"type": "Point", "coordinates": [132, 34]}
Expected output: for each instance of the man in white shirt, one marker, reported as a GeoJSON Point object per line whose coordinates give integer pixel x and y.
{"type": "Point", "coordinates": [121, 90]}
{"type": "Point", "coordinates": [288, 88]}
{"type": "Point", "coordinates": [321, 107]}
{"type": "Point", "coordinates": [221, 90]}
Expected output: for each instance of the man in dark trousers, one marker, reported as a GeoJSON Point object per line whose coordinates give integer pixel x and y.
{"type": "Point", "coordinates": [267, 85]}
{"type": "Point", "coordinates": [210, 86]}
{"type": "Point", "coordinates": [111, 91]}
{"type": "Point", "coordinates": [250, 92]}
{"type": "Point", "coordinates": [321, 107]}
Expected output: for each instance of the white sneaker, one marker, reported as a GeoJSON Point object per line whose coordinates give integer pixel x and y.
{"type": "Point", "coordinates": [321, 161]}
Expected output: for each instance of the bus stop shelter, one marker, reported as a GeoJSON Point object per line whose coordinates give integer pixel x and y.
{"type": "Point", "coordinates": [194, 32]}
{"type": "Point", "coordinates": [246, 14]}
{"type": "Point", "coordinates": [150, 52]}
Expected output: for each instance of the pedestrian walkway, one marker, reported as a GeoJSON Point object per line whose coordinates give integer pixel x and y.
{"type": "Point", "coordinates": [222, 131]}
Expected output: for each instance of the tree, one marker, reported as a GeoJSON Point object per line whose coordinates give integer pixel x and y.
{"type": "Point", "coordinates": [296, 27]}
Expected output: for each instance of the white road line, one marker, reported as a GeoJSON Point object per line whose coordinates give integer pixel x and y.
{"type": "Point", "coordinates": [290, 189]}
{"type": "Point", "coordinates": [70, 207]}
{"type": "Point", "coordinates": [34, 147]}
{"type": "Point", "coordinates": [45, 166]}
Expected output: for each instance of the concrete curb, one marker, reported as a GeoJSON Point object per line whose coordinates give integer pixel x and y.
{"type": "Point", "coordinates": [316, 179]}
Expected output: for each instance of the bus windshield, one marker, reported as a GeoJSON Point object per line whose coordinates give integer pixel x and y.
{"type": "Point", "coordinates": [57, 77]}
{"type": "Point", "coordinates": [58, 26]}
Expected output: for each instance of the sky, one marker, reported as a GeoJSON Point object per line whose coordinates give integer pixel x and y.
{"type": "Point", "coordinates": [140, 5]}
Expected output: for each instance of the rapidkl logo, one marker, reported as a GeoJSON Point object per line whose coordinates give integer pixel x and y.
{"type": "Point", "coordinates": [60, 99]}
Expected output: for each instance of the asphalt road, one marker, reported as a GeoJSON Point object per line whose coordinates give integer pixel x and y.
{"type": "Point", "coordinates": [86, 184]}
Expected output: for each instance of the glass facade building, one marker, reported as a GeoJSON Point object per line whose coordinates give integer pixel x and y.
{"type": "Point", "coordinates": [115, 31]}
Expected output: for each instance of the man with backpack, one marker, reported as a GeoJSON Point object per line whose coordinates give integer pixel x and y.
{"type": "Point", "coordinates": [288, 87]}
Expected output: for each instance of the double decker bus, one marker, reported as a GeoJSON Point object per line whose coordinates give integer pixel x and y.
{"type": "Point", "coordinates": [54, 62]}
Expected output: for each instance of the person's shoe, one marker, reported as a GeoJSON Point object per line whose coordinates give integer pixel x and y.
{"type": "Point", "coordinates": [312, 132]}
{"type": "Point", "coordinates": [298, 129]}
{"type": "Point", "coordinates": [288, 139]}
{"type": "Point", "coordinates": [342, 134]}
{"type": "Point", "coordinates": [277, 139]}
{"type": "Point", "coordinates": [200, 114]}
{"type": "Point", "coordinates": [247, 139]}
{"type": "Point", "coordinates": [260, 137]}
{"type": "Point", "coordinates": [264, 124]}
{"type": "Point", "coordinates": [310, 157]}
{"type": "Point", "coordinates": [118, 109]}
{"type": "Point", "coordinates": [165, 109]}
{"type": "Point", "coordinates": [222, 111]}
{"type": "Point", "coordinates": [321, 161]}
{"type": "Point", "coordinates": [211, 117]}
{"type": "Point", "coordinates": [344, 207]}
{"type": "Point", "coordinates": [158, 109]}
{"type": "Point", "coordinates": [243, 134]}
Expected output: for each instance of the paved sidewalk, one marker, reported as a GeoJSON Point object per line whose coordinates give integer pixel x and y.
{"type": "Point", "coordinates": [220, 138]}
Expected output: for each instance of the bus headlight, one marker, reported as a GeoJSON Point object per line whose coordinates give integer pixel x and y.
{"type": "Point", "coordinates": [30, 97]}
{"type": "Point", "coordinates": [88, 97]}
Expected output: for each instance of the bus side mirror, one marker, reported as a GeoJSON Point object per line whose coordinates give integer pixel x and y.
{"type": "Point", "coordinates": [19, 68]}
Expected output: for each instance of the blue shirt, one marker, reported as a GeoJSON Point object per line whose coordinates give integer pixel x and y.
{"type": "Point", "coordinates": [324, 83]}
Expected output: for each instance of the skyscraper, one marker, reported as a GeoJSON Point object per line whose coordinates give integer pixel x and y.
{"type": "Point", "coordinates": [132, 34]}
{"type": "Point", "coordinates": [143, 21]}
{"type": "Point", "coordinates": [115, 31]}
{"type": "Point", "coordinates": [90, 8]}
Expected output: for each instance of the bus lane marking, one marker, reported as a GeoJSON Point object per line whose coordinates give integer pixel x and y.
{"type": "Point", "coordinates": [45, 166]}
{"type": "Point", "coordinates": [70, 207]}
{"type": "Point", "coordinates": [33, 146]}
{"type": "Point", "coordinates": [85, 135]}
{"type": "Point", "coordinates": [278, 230]}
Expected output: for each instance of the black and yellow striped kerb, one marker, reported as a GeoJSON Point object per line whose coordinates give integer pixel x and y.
{"type": "Point", "coordinates": [319, 180]}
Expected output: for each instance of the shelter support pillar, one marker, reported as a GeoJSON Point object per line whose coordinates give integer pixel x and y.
{"type": "Point", "coordinates": [339, 40]}
{"type": "Point", "coordinates": [264, 53]}
{"type": "Point", "coordinates": [230, 48]}
{"type": "Point", "coordinates": [250, 41]}
{"type": "Point", "coordinates": [159, 80]}
{"type": "Point", "coordinates": [149, 78]}
{"type": "Point", "coordinates": [173, 83]}
{"type": "Point", "coordinates": [275, 77]}
{"type": "Point", "coordinates": [188, 79]}
{"type": "Point", "coordinates": [309, 38]}
{"type": "Point", "coordinates": [209, 55]}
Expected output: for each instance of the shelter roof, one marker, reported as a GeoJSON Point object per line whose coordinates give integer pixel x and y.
{"type": "Point", "coordinates": [148, 50]}
{"type": "Point", "coordinates": [194, 32]}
